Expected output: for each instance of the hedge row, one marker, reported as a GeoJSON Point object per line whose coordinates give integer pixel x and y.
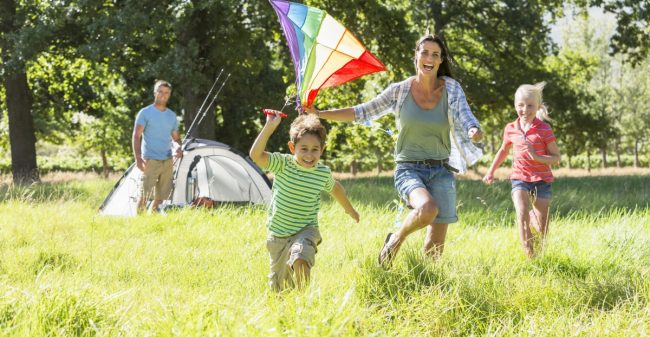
{"type": "Point", "coordinates": [370, 163]}
{"type": "Point", "coordinates": [71, 164]}
{"type": "Point", "coordinates": [94, 164]}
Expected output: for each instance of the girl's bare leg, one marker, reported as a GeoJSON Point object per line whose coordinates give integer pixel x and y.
{"type": "Point", "coordinates": [520, 200]}
{"type": "Point", "coordinates": [540, 219]}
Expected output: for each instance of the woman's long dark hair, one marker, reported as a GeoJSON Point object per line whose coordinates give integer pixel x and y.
{"type": "Point", "coordinates": [445, 66]}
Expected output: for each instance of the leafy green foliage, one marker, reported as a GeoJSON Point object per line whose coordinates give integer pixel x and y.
{"type": "Point", "coordinates": [187, 43]}
{"type": "Point", "coordinates": [91, 66]}
{"type": "Point", "coordinates": [633, 24]}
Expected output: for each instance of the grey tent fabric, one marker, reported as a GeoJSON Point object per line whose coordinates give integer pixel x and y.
{"type": "Point", "coordinates": [207, 169]}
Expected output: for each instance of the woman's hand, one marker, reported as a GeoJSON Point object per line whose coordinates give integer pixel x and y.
{"type": "Point", "coordinates": [310, 110]}
{"type": "Point", "coordinates": [489, 178]}
{"type": "Point", "coordinates": [475, 134]}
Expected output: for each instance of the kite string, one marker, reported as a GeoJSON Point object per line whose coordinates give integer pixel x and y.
{"type": "Point", "coordinates": [287, 101]}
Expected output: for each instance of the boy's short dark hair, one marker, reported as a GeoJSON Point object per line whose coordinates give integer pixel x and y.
{"type": "Point", "coordinates": [307, 124]}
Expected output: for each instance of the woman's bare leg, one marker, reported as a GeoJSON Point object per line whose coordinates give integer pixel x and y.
{"type": "Point", "coordinates": [425, 210]}
{"type": "Point", "coordinates": [434, 242]}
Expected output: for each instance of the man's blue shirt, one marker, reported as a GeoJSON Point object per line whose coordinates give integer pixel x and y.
{"type": "Point", "coordinates": [158, 128]}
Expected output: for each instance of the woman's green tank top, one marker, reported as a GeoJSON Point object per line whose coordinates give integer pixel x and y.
{"type": "Point", "coordinates": [424, 133]}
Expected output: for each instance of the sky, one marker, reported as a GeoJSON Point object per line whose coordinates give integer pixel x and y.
{"type": "Point", "coordinates": [595, 13]}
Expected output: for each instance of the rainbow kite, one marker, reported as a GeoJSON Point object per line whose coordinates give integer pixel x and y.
{"type": "Point", "coordinates": [324, 53]}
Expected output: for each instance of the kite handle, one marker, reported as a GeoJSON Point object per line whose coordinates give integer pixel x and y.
{"type": "Point", "coordinates": [271, 112]}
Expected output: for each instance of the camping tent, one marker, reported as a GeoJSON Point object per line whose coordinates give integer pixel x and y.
{"type": "Point", "coordinates": [207, 169]}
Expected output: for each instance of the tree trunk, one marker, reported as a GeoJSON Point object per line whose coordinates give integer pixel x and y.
{"type": "Point", "coordinates": [568, 161]}
{"type": "Point", "coordinates": [588, 160]}
{"type": "Point", "coordinates": [636, 153]}
{"type": "Point", "coordinates": [353, 167]}
{"type": "Point", "coordinates": [193, 95]}
{"type": "Point", "coordinates": [438, 21]}
{"type": "Point", "coordinates": [493, 143]}
{"type": "Point", "coordinates": [102, 153]}
{"type": "Point", "coordinates": [192, 104]}
{"type": "Point", "coordinates": [603, 153]}
{"type": "Point", "coordinates": [21, 129]}
{"type": "Point", "coordinates": [380, 164]}
{"type": "Point", "coordinates": [618, 152]}
{"type": "Point", "coordinates": [19, 101]}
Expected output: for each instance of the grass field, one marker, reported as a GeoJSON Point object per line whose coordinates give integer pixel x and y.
{"type": "Point", "coordinates": [65, 271]}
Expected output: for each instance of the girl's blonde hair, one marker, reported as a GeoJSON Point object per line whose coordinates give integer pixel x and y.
{"type": "Point", "coordinates": [535, 90]}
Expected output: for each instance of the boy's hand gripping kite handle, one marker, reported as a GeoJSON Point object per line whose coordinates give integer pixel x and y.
{"type": "Point", "coordinates": [271, 112]}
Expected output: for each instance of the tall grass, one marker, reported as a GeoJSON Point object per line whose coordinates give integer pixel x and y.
{"type": "Point", "coordinates": [64, 271]}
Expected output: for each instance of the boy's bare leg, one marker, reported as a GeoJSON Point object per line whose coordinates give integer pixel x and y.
{"type": "Point", "coordinates": [520, 200]}
{"type": "Point", "coordinates": [301, 273]}
{"type": "Point", "coordinates": [434, 242]}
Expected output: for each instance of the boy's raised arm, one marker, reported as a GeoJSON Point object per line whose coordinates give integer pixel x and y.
{"type": "Point", "coordinates": [338, 193]}
{"type": "Point", "coordinates": [257, 153]}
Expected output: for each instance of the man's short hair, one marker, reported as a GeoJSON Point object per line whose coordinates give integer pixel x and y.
{"type": "Point", "coordinates": [161, 83]}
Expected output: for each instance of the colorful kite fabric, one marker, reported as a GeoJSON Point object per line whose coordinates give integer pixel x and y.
{"type": "Point", "coordinates": [324, 53]}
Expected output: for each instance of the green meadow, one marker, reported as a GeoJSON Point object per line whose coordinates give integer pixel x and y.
{"type": "Point", "coordinates": [66, 271]}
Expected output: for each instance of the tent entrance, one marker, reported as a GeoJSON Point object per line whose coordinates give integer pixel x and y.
{"type": "Point", "coordinates": [221, 179]}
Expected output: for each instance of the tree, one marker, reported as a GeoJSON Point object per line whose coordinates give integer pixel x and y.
{"type": "Point", "coordinates": [188, 43]}
{"type": "Point", "coordinates": [28, 28]}
{"type": "Point", "coordinates": [635, 113]}
{"type": "Point", "coordinates": [632, 29]}
{"type": "Point", "coordinates": [80, 103]}
{"type": "Point", "coordinates": [18, 96]}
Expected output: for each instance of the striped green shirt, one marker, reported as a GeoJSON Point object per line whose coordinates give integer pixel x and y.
{"type": "Point", "coordinates": [296, 194]}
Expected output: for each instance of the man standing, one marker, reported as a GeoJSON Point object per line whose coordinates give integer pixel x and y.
{"type": "Point", "coordinates": [155, 127]}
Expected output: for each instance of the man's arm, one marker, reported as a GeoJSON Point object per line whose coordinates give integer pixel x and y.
{"type": "Point", "coordinates": [177, 138]}
{"type": "Point", "coordinates": [137, 143]}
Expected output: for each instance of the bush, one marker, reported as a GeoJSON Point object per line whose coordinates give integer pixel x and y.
{"type": "Point", "coordinates": [579, 161]}
{"type": "Point", "coordinates": [71, 164]}
{"type": "Point", "coordinates": [596, 161]}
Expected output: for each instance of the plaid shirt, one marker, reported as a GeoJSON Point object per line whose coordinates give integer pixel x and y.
{"type": "Point", "coordinates": [463, 152]}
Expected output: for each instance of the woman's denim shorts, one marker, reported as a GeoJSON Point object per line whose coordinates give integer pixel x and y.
{"type": "Point", "coordinates": [537, 189]}
{"type": "Point", "coordinates": [436, 179]}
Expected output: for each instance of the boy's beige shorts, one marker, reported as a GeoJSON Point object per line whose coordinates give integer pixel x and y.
{"type": "Point", "coordinates": [284, 251]}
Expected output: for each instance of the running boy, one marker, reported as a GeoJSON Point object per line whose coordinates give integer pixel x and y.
{"type": "Point", "coordinates": [535, 150]}
{"type": "Point", "coordinates": [293, 214]}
